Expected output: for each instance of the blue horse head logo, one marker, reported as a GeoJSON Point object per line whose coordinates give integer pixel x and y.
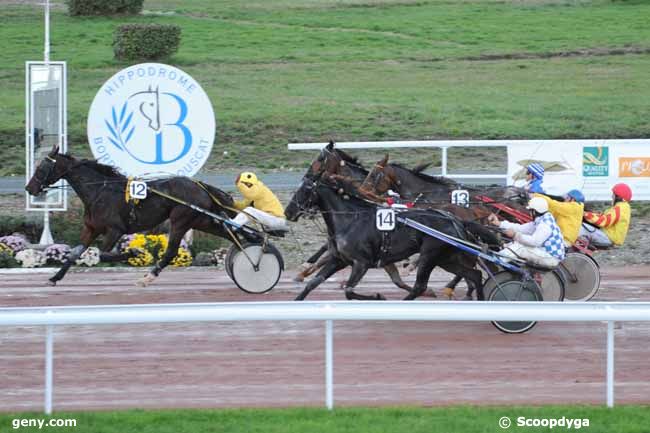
{"type": "Point", "coordinates": [148, 103]}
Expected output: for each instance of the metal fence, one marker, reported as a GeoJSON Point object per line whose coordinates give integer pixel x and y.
{"type": "Point", "coordinates": [328, 312]}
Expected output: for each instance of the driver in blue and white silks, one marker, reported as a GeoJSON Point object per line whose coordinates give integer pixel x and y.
{"type": "Point", "coordinates": [534, 178]}
{"type": "Point", "coordinates": [539, 242]}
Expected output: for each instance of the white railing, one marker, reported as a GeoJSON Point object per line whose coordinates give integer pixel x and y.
{"type": "Point", "coordinates": [328, 312]}
{"type": "Point", "coordinates": [442, 144]}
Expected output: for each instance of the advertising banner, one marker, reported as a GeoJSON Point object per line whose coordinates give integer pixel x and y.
{"type": "Point", "coordinates": [592, 166]}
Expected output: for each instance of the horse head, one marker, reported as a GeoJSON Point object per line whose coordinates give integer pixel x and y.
{"type": "Point", "coordinates": [51, 169]}
{"type": "Point", "coordinates": [380, 179]}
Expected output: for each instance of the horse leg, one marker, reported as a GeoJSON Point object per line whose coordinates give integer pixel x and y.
{"type": "Point", "coordinates": [110, 239]}
{"type": "Point", "coordinates": [320, 258]}
{"type": "Point", "coordinates": [451, 286]}
{"type": "Point", "coordinates": [87, 236]}
{"type": "Point", "coordinates": [425, 266]}
{"type": "Point", "coordinates": [395, 277]}
{"type": "Point", "coordinates": [359, 269]}
{"type": "Point", "coordinates": [330, 268]}
{"type": "Point", "coordinates": [176, 233]}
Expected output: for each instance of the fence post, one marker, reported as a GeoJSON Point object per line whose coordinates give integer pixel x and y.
{"type": "Point", "coordinates": [610, 364]}
{"type": "Point", "coordinates": [49, 349]}
{"type": "Point", "coordinates": [443, 161]}
{"type": "Point", "coordinates": [329, 368]}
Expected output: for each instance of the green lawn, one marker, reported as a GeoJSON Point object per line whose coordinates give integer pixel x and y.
{"type": "Point", "coordinates": [459, 419]}
{"type": "Point", "coordinates": [310, 70]}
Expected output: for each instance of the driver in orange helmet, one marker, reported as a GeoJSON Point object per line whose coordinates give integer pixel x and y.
{"type": "Point", "coordinates": [609, 227]}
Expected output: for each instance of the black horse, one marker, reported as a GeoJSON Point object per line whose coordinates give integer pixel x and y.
{"type": "Point", "coordinates": [107, 213]}
{"type": "Point", "coordinates": [337, 164]}
{"type": "Point", "coordinates": [355, 241]}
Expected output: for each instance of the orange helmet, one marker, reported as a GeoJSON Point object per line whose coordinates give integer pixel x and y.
{"type": "Point", "coordinates": [623, 191]}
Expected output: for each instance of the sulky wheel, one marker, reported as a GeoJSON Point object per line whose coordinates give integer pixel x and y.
{"type": "Point", "coordinates": [552, 286]}
{"type": "Point", "coordinates": [256, 271]}
{"type": "Point", "coordinates": [581, 277]}
{"type": "Point", "coordinates": [516, 291]}
{"type": "Point", "coordinates": [500, 278]}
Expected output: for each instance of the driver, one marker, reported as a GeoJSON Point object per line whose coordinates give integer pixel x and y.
{"type": "Point", "coordinates": [538, 242]}
{"type": "Point", "coordinates": [259, 203]}
{"type": "Point", "coordinates": [534, 178]}
{"type": "Point", "coordinates": [610, 227]}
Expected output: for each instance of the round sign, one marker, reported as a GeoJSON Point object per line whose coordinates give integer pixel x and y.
{"type": "Point", "coordinates": [151, 119]}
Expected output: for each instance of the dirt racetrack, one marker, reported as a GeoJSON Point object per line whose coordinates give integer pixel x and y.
{"type": "Point", "coordinates": [236, 364]}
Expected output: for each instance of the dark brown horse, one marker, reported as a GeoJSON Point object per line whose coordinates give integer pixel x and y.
{"type": "Point", "coordinates": [107, 213]}
{"type": "Point", "coordinates": [335, 164]}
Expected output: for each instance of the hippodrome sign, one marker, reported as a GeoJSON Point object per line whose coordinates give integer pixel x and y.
{"type": "Point", "coordinates": [151, 119]}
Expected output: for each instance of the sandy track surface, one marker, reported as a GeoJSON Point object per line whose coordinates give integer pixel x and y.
{"type": "Point", "coordinates": [236, 364]}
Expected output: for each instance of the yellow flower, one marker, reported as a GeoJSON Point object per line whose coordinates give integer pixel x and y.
{"type": "Point", "coordinates": [183, 258]}
{"type": "Point", "coordinates": [6, 249]}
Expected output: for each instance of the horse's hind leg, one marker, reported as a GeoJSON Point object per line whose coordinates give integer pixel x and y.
{"type": "Point", "coordinates": [176, 233]}
{"type": "Point", "coordinates": [330, 268]}
{"type": "Point", "coordinates": [451, 286]}
{"type": "Point", "coordinates": [395, 277]}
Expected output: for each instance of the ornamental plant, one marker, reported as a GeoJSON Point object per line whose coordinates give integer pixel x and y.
{"type": "Point", "coordinates": [30, 258]}
{"type": "Point", "coordinates": [57, 253]}
{"type": "Point", "coordinates": [153, 247]}
{"type": "Point", "coordinates": [90, 257]}
{"type": "Point", "coordinates": [16, 242]}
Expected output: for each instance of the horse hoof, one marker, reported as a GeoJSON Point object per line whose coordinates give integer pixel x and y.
{"type": "Point", "coordinates": [51, 283]}
{"type": "Point", "coordinates": [146, 280]}
{"type": "Point", "coordinates": [298, 279]}
{"type": "Point", "coordinates": [449, 292]}
{"type": "Point", "coordinates": [429, 293]}
{"type": "Point", "coordinates": [380, 297]}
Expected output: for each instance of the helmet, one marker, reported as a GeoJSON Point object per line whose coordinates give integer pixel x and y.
{"type": "Point", "coordinates": [538, 204]}
{"type": "Point", "coordinates": [246, 176]}
{"type": "Point", "coordinates": [536, 169]}
{"type": "Point", "coordinates": [577, 195]}
{"type": "Point", "coordinates": [623, 191]}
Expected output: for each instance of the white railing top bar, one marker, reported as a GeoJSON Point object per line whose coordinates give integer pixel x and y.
{"type": "Point", "coordinates": [450, 143]}
{"type": "Point", "coordinates": [326, 310]}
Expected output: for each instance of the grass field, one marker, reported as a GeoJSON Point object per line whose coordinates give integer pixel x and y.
{"type": "Point", "coordinates": [629, 419]}
{"type": "Point", "coordinates": [310, 70]}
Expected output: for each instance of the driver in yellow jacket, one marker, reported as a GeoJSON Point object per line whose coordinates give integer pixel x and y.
{"type": "Point", "coordinates": [567, 213]}
{"type": "Point", "coordinates": [259, 203]}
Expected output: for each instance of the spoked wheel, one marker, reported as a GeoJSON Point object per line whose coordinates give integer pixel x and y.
{"type": "Point", "coordinates": [256, 269]}
{"type": "Point", "coordinates": [499, 278]}
{"type": "Point", "coordinates": [581, 277]}
{"type": "Point", "coordinates": [552, 286]}
{"type": "Point", "coordinates": [516, 291]}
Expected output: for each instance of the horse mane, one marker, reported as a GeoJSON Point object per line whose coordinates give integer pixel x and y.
{"type": "Point", "coordinates": [103, 169]}
{"type": "Point", "coordinates": [440, 180]}
{"type": "Point", "coordinates": [421, 167]}
{"type": "Point", "coordinates": [348, 158]}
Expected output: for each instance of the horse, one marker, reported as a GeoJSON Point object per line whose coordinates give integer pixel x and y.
{"type": "Point", "coordinates": [354, 240]}
{"type": "Point", "coordinates": [106, 212]}
{"type": "Point", "coordinates": [338, 164]}
{"type": "Point", "coordinates": [420, 188]}
{"type": "Point", "coordinates": [426, 192]}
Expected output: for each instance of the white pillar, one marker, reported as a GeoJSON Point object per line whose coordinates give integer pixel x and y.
{"type": "Point", "coordinates": [329, 367]}
{"type": "Point", "coordinates": [443, 162]}
{"type": "Point", "coordinates": [610, 364]}
{"type": "Point", "coordinates": [49, 351]}
{"type": "Point", "coordinates": [46, 236]}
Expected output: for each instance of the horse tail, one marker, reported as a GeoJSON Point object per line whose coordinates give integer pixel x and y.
{"type": "Point", "coordinates": [482, 233]}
